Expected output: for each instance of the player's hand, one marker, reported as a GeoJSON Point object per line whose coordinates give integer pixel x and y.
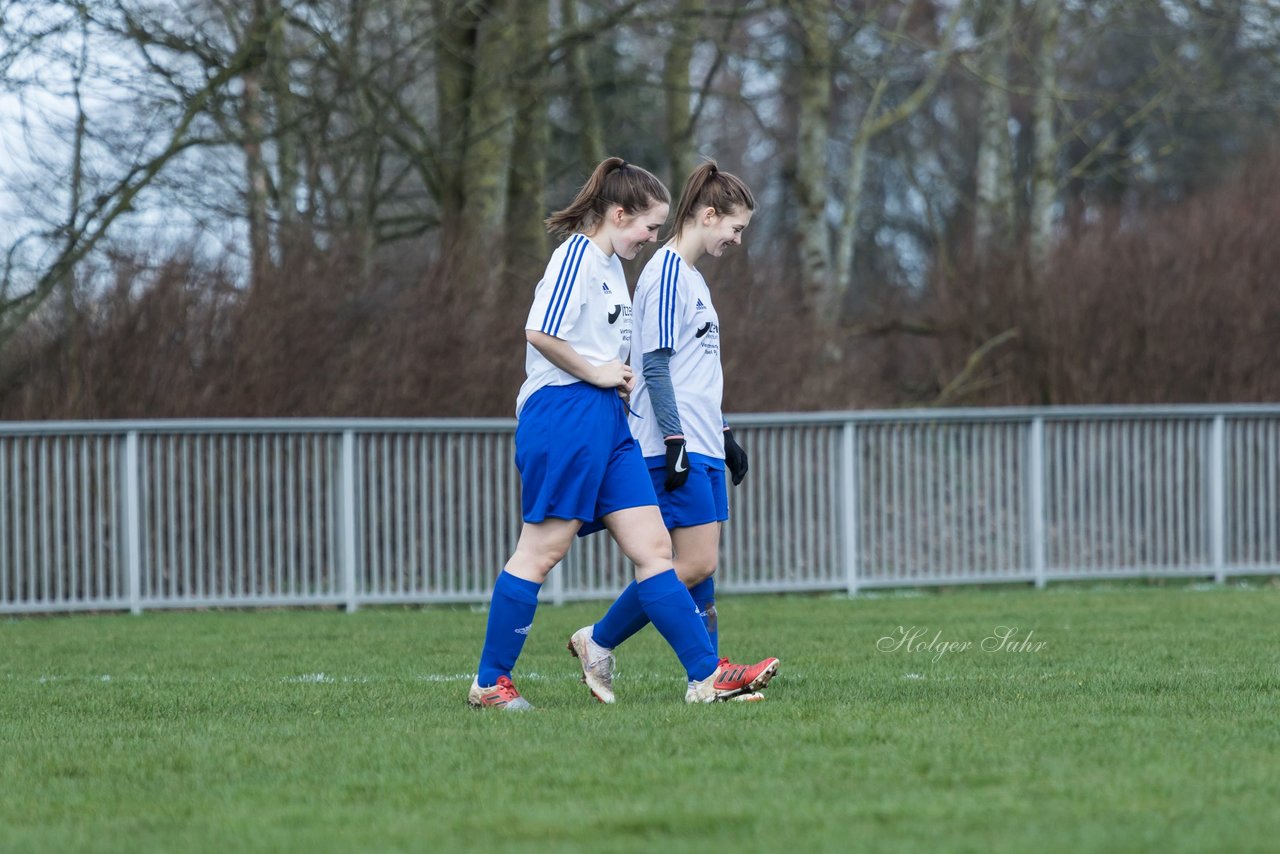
{"type": "Point", "coordinates": [734, 457]}
{"type": "Point", "coordinates": [677, 464]}
{"type": "Point", "coordinates": [613, 374]}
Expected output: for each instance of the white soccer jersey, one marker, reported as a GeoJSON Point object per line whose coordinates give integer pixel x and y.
{"type": "Point", "coordinates": [582, 299]}
{"type": "Point", "coordinates": [673, 310]}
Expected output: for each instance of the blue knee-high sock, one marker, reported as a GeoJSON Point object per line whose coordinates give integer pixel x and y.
{"type": "Point", "coordinates": [510, 618]}
{"type": "Point", "coordinates": [624, 618]}
{"type": "Point", "coordinates": [704, 596]}
{"type": "Point", "coordinates": [667, 602]}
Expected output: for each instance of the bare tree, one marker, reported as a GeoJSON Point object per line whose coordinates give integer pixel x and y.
{"type": "Point", "coordinates": [97, 202]}
{"type": "Point", "coordinates": [827, 254]}
{"type": "Point", "coordinates": [875, 121]}
{"type": "Point", "coordinates": [889, 142]}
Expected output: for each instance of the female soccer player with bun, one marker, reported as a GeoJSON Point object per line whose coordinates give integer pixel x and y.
{"type": "Point", "coordinates": [677, 417]}
{"type": "Point", "coordinates": [580, 468]}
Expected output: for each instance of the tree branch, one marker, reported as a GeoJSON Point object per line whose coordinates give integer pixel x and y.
{"type": "Point", "coordinates": [108, 206]}
{"type": "Point", "coordinates": [965, 383]}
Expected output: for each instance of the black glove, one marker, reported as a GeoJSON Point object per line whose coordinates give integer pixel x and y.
{"type": "Point", "coordinates": [734, 457]}
{"type": "Point", "coordinates": [677, 465]}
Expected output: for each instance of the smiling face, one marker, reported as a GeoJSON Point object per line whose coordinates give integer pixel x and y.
{"type": "Point", "coordinates": [629, 232]}
{"type": "Point", "coordinates": [721, 232]}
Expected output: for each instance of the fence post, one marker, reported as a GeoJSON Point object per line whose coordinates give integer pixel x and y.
{"type": "Point", "coordinates": [1217, 498]}
{"type": "Point", "coordinates": [1035, 499]}
{"type": "Point", "coordinates": [132, 522]}
{"type": "Point", "coordinates": [347, 519]}
{"type": "Point", "coordinates": [849, 504]}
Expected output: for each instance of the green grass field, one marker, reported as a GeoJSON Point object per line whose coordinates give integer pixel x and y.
{"type": "Point", "coordinates": [1149, 720]}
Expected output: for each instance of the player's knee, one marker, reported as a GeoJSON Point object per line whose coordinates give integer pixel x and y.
{"type": "Point", "coordinates": [549, 557]}
{"type": "Point", "coordinates": [656, 555]}
{"type": "Point", "coordinates": [693, 572]}
{"type": "Point", "coordinates": [538, 561]}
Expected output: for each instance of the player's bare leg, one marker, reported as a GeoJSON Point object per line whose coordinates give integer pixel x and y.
{"type": "Point", "coordinates": [541, 546]}
{"type": "Point", "coordinates": [643, 538]}
{"type": "Point", "coordinates": [697, 552]}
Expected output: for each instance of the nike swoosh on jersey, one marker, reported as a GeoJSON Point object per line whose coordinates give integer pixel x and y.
{"type": "Point", "coordinates": [703, 330]}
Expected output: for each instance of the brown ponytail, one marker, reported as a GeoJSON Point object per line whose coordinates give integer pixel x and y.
{"type": "Point", "coordinates": [708, 187]}
{"type": "Point", "coordinates": [614, 182]}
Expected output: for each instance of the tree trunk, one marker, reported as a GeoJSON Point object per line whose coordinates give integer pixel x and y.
{"type": "Point", "coordinates": [368, 162]}
{"type": "Point", "coordinates": [590, 134]}
{"type": "Point", "coordinates": [70, 316]}
{"type": "Point", "coordinates": [993, 208]}
{"type": "Point", "coordinates": [847, 245]}
{"type": "Point", "coordinates": [486, 157]}
{"type": "Point", "coordinates": [489, 123]}
{"type": "Point", "coordinates": [814, 91]}
{"type": "Point", "coordinates": [526, 238]}
{"type": "Point", "coordinates": [286, 133]}
{"type": "Point", "coordinates": [256, 177]}
{"type": "Point", "coordinates": [455, 30]}
{"type": "Point", "coordinates": [676, 90]}
{"type": "Point", "coordinates": [1044, 179]}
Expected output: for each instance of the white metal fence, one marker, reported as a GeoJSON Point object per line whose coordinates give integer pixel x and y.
{"type": "Point", "coordinates": [134, 515]}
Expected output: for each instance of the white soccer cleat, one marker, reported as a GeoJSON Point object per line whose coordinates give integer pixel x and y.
{"type": "Point", "coordinates": [597, 663]}
{"type": "Point", "coordinates": [730, 681]}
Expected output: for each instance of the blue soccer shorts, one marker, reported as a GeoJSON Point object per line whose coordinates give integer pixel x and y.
{"type": "Point", "coordinates": [577, 458]}
{"type": "Point", "coordinates": [701, 500]}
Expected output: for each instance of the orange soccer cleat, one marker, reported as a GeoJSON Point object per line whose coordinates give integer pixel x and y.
{"type": "Point", "coordinates": [500, 696]}
{"type": "Point", "coordinates": [731, 680]}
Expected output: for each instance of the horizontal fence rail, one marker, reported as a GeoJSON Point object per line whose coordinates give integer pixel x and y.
{"type": "Point", "coordinates": [165, 514]}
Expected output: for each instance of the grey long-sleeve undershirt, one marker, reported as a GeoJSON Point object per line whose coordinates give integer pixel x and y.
{"type": "Point", "coordinates": [657, 377]}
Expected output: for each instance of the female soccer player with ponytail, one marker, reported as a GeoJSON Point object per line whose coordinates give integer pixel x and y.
{"type": "Point", "coordinates": [677, 417]}
{"type": "Point", "coordinates": [580, 468]}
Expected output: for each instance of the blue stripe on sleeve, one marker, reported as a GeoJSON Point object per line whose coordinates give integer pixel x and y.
{"type": "Point", "coordinates": [573, 277]}
{"type": "Point", "coordinates": [564, 284]}
{"type": "Point", "coordinates": [667, 301]}
{"type": "Point", "coordinates": [662, 300]}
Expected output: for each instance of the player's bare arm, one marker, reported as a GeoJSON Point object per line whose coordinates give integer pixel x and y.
{"type": "Point", "coordinates": [611, 374]}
